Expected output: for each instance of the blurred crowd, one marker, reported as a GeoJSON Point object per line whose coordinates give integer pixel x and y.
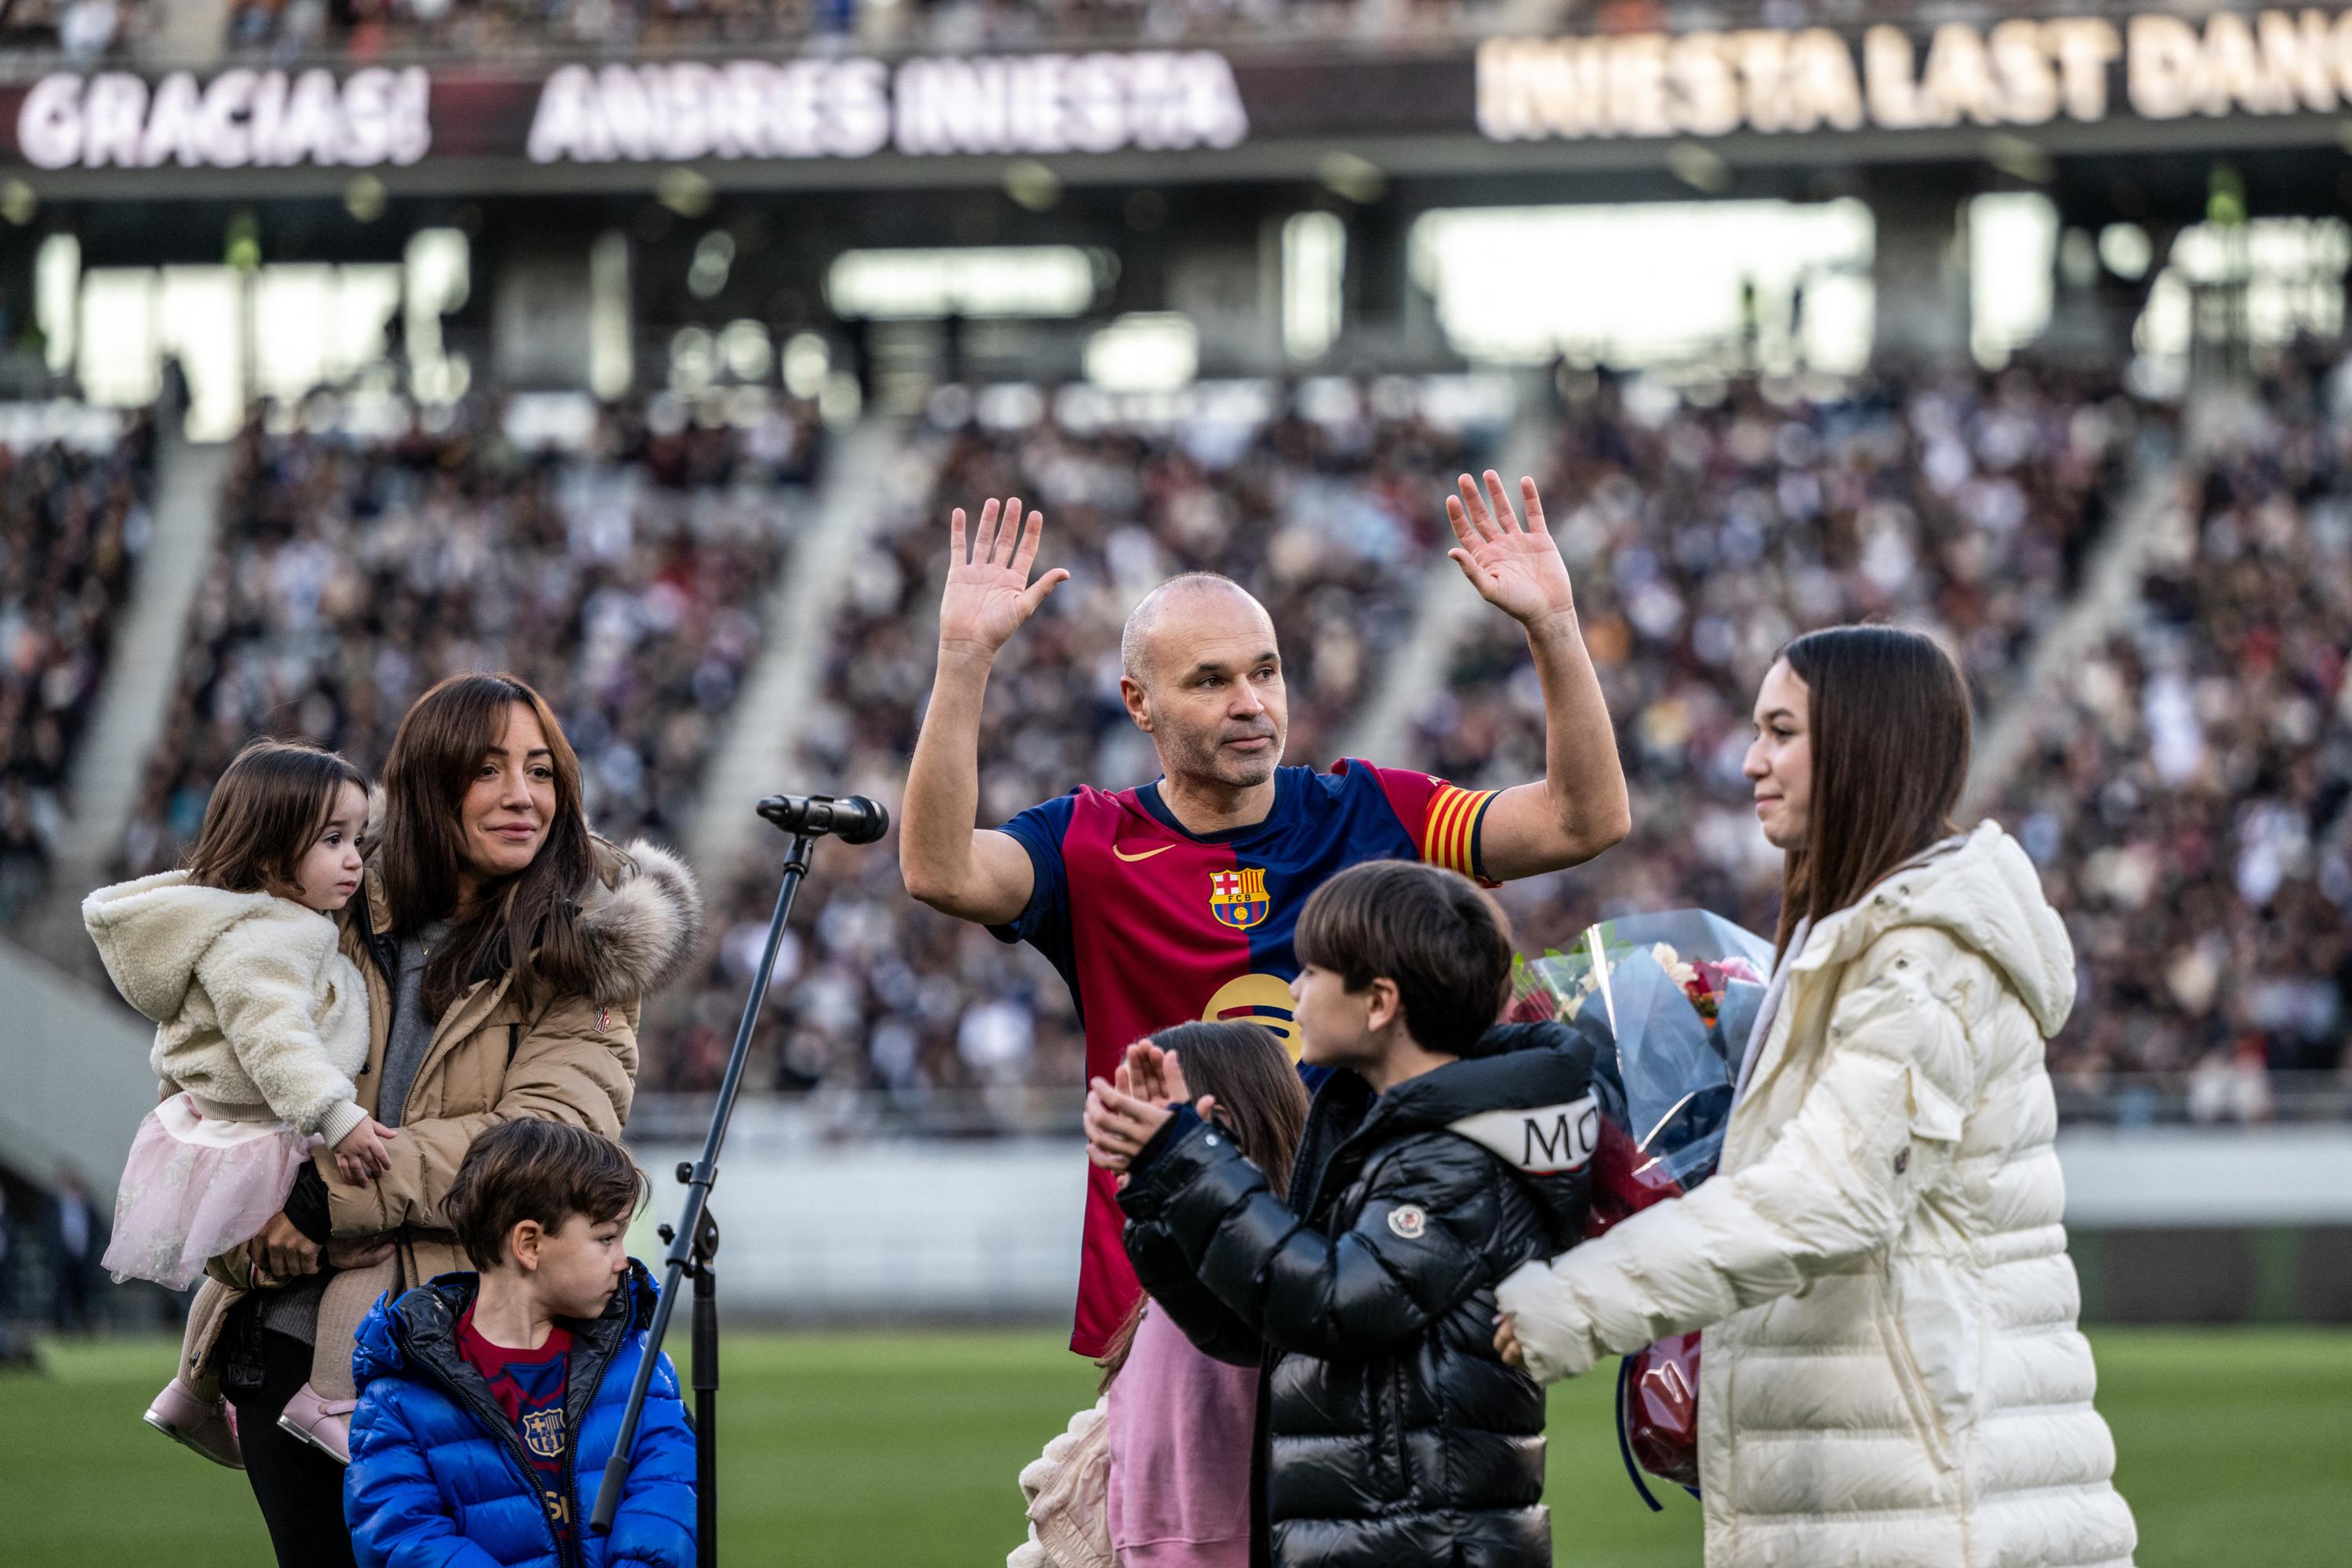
{"type": "Point", "coordinates": [85, 31]}
{"type": "Point", "coordinates": [369, 28]}
{"type": "Point", "coordinates": [2186, 795]}
{"type": "Point", "coordinates": [2183, 787]}
{"type": "Point", "coordinates": [52, 1277]}
{"type": "Point", "coordinates": [72, 524]}
{"type": "Point", "coordinates": [1332, 520]}
{"type": "Point", "coordinates": [1704, 536]}
{"type": "Point", "coordinates": [624, 580]}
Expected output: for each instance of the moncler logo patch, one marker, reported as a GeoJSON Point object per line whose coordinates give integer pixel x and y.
{"type": "Point", "coordinates": [1408, 1221]}
{"type": "Point", "coordinates": [1544, 1141]}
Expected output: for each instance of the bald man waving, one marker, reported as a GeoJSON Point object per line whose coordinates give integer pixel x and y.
{"type": "Point", "coordinates": [1176, 901]}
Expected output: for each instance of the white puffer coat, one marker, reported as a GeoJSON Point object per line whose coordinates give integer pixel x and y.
{"type": "Point", "coordinates": [258, 1015]}
{"type": "Point", "coordinates": [1891, 1376]}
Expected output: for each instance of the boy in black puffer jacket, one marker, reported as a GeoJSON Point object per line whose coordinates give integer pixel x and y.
{"type": "Point", "coordinates": [1440, 1154]}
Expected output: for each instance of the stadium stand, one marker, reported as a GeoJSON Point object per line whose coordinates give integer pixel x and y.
{"type": "Point", "coordinates": [1327, 505]}
{"type": "Point", "coordinates": [73, 519]}
{"type": "Point", "coordinates": [77, 32]}
{"type": "Point", "coordinates": [354, 571]}
{"type": "Point", "coordinates": [407, 28]}
{"type": "Point", "coordinates": [1702, 537]}
{"type": "Point", "coordinates": [2186, 797]}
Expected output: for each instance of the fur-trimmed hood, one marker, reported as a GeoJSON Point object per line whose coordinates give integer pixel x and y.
{"type": "Point", "coordinates": [639, 922]}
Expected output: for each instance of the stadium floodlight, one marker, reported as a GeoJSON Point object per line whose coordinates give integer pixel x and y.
{"type": "Point", "coordinates": [693, 1240]}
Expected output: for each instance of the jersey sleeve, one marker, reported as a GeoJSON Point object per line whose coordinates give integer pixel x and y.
{"type": "Point", "coordinates": [1044, 921]}
{"type": "Point", "coordinates": [1443, 819]}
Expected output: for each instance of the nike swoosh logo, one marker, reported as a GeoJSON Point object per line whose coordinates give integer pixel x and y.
{"type": "Point", "coordinates": [1146, 854]}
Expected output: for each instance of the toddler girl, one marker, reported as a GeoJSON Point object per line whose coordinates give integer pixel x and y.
{"type": "Point", "coordinates": [261, 1023]}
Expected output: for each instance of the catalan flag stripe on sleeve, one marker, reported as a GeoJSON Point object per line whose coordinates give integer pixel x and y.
{"type": "Point", "coordinates": [1453, 830]}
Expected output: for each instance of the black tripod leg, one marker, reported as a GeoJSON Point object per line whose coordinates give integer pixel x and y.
{"type": "Point", "coordinates": [706, 1396]}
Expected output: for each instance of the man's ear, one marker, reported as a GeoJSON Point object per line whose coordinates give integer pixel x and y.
{"type": "Point", "coordinates": [523, 1241]}
{"type": "Point", "coordinates": [1138, 700]}
{"type": "Point", "coordinates": [1383, 1004]}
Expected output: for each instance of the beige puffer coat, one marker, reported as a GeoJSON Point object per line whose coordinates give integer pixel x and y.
{"type": "Point", "coordinates": [495, 1056]}
{"type": "Point", "coordinates": [1891, 1374]}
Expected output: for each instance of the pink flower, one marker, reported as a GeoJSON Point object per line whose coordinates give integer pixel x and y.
{"type": "Point", "coordinates": [1718, 977]}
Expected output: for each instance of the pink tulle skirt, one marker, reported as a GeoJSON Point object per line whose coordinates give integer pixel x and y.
{"type": "Point", "coordinates": [196, 1187]}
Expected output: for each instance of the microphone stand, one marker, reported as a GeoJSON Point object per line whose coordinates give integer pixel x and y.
{"type": "Point", "coordinates": [693, 1240]}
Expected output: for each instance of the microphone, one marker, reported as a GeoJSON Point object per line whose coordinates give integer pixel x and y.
{"type": "Point", "coordinates": [852, 818]}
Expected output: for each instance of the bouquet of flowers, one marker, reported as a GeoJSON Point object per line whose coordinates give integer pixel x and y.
{"type": "Point", "coordinates": [1669, 1002]}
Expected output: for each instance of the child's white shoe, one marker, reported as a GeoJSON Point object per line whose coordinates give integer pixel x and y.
{"type": "Point", "coordinates": [324, 1424]}
{"type": "Point", "coordinates": [203, 1426]}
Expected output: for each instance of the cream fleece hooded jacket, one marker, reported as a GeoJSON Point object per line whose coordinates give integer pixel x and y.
{"type": "Point", "coordinates": [1891, 1373]}
{"type": "Point", "coordinates": [257, 1013]}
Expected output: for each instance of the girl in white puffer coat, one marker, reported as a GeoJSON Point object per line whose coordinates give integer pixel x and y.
{"type": "Point", "coordinates": [260, 1026]}
{"type": "Point", "coordinates": [1891, 1373]}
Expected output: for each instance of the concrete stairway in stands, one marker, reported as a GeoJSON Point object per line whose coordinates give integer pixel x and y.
{"type": "Point", "coordinates": [2152, 512]}
{"type": "Point", "coordinates": [73, 1058]}
{"type": "Point", "coordinates": [135, 702]}
{"type": "Point", "coordinates": [759, 756]}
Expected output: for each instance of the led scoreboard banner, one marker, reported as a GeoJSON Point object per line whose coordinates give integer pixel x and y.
{"type": "Point", "coordinates": [2022, 72]}
{"type": "Point", "coordinates": [499, 123]}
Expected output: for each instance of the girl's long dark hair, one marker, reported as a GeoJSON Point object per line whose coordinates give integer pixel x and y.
{"type": "Point", "coordinates": [523, 922]}
{"type": "Point", "coordinates": [1259, 1098]}
{"type": "Point", "coordinates": [1891, 728]}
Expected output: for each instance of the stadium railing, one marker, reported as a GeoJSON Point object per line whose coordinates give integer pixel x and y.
{"type": "Point", "coordinates": [2172, 1100]}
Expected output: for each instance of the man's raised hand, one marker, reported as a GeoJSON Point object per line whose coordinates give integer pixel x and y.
{"type": "Point", "coordinates": [989, 594]}
{"type": "Point", "coordinates": [1515, 568]}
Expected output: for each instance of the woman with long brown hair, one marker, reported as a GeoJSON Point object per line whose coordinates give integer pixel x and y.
{"type": "Point", "coordinates": [505, 949]}
{"type": "Point", "coordinates": [1891, 1371]}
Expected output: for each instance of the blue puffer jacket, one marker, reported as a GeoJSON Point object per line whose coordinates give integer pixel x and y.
{"type": "Point", "coordinates": [440, 1479]}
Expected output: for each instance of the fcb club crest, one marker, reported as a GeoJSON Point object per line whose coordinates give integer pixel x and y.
{"type": "Point", "coordinates": [542, 1431]}
{"type": "Point", "coordinates": [1237, 897]}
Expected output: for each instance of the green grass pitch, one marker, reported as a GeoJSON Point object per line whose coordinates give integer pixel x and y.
{"type": "Point", "coordinates": [901, 1449]}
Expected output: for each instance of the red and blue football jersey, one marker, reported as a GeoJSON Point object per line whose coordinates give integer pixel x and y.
{"type": "Point", "coordinates": [1153, 926]}
{"type": "Point", "coordinates": [529, 1386]}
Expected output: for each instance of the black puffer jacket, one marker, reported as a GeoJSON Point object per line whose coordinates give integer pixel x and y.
{"type": "Point", "coordinates": [1390, 1432]}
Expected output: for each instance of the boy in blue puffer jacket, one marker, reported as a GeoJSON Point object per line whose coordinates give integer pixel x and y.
{"type": "Point", "coordinates": [484, 1398]}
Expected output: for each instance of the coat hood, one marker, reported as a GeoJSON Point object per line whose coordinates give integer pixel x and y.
{"type": "Point", "coordinates": [1985, 893]}
{"type": "Point", "coordinates": [1527, 1067]}
{"type": "Point", "coordinates": [151, 934]}
{"type": "Point", "coordinates": [419, 1328]}
{"type": "Point", "coordinates": [1528, 1101]}
{"type": "Point", "coordinates": [641, 923]}
{"type": "Point", "coordinates": [640, 920]}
